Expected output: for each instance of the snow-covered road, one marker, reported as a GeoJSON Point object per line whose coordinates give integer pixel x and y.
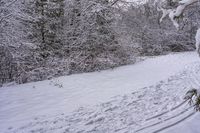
{"type": "Point", "coordinates": [133, 93]}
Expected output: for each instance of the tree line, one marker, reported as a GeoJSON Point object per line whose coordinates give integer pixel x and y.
{"type": "Point", "coordinates": [41, 39]}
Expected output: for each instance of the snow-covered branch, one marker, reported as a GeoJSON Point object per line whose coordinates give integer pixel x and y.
{"type": "Point", "coordinates": [174, 13]}
{"type": "Point", "coordinates": [197, 37]}
{"type": "Point", "coordinates": [4, 8]}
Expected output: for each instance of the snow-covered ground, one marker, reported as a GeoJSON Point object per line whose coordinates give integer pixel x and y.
{"type": "Point", "coordinates": [145, 97]}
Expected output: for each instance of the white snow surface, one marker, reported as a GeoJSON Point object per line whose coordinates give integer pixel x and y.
{"type": "Point", "coordinates": [143, 97]}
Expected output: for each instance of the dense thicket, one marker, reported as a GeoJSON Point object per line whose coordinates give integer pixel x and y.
{"type": "Point", "coordinates": [58, 37]}
{"type": "Point", "coordinates": [152, 37]}
{"type": "Point", "coordinates": [41, 39]}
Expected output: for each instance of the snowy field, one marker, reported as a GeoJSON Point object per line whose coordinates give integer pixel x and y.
{"type": "Point", "coordinates": [146, 97]}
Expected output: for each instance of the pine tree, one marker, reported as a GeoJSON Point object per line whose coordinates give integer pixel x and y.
{"type": "Point", "coordinates": [54, 27]}
{"type": "Point", "coordinates": [44, 20]}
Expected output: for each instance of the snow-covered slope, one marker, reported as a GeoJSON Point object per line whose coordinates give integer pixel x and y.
{"type": "Point", "coordinates": [189, 126]}
{"type": "Point", "coordinates": [134, 98]}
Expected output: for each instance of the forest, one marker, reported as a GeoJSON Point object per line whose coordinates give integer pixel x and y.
{"type": "Point", "coordinates": [41, 39]}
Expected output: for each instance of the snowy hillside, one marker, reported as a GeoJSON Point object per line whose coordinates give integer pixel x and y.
{"type": "Point", "coordinates": [141, 98]}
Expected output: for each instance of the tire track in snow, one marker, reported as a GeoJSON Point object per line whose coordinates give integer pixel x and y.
{"type": "Point", "coordinates": [157, 123]}
{"type": "Point", "coordinates": [174, 124]}
{"type": "Point", "coordinates": [105, 118]}
{"type": "Point", "coordinates": [161, 114]}
{"type": "Point", "coordinates": [194, 81]}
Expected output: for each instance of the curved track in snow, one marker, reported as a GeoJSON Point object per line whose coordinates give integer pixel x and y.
{"type": "Point", "coordinates": [144, 97]}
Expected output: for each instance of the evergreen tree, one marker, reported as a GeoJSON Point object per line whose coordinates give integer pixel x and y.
{"type": "Point", "coordinates": [44, 18]}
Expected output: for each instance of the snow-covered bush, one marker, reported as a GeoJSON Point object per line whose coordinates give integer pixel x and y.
{"type": "Point", "coordinates": [154, 38]}
{"type": "Point", "coordinates": [193, 98]}
{"type": "Point", "coordinates": [7, 66]}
